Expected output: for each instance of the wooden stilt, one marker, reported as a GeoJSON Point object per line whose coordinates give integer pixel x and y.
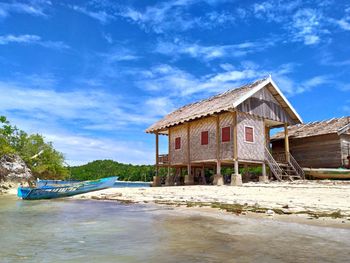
{"type": "Point", "coordinates": [189, 177]}
{"type": "Point", "coordinates": [286, 142]}
{"type": "Point", "coordinates": [156, 178]}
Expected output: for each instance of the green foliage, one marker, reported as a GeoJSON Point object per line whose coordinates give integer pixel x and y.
{"type": "Point", "coordinates": [40, 156]}
{"type": "Point", "coordinates": [105, 168]}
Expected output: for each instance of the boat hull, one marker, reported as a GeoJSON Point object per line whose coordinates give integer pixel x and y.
{"type": "Point", "coordinates": [338, 174]}
{"type": "Point", "coordinates": [49, 192]}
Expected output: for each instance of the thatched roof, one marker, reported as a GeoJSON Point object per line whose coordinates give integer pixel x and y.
{"type": "Point", "coordinates": [222, 102]}
{"type": "Point", "coordinates": [335, 125]}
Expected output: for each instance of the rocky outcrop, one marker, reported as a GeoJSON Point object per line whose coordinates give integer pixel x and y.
{"type": "Point", "coordinates": [14, 169]}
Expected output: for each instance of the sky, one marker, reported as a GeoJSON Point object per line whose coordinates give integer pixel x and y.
{"type": "Point", "coordinates": [91, 76]}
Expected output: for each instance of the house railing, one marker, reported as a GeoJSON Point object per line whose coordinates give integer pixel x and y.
{"type": "Point", "coordinates": [280, 157]}
{"type": "Point", "coordinates": [274, 167]}
{"type": "Point", "coordinates": [163, 159]}
{"type": "Point", "coordinates": [296, 166]}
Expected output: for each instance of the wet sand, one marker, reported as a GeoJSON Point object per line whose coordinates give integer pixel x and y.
{"type": "Point", "coordinates": [322, 203]}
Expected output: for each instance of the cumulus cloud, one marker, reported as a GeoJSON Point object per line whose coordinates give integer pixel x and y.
{"type": "Point", "coordinates": [307, 26]}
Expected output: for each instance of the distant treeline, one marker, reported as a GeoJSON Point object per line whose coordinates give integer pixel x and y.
{"type": "Point", "coordinates": [128, 172]}
{"type": "Point", "coordinates": [104, 168]}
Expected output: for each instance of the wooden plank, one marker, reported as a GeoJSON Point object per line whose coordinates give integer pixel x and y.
{"type": "Point", "coordinates": [218, 143]}
{"type": "Point", "coordinates": [235, 141]}
{"type": "Point", "coordinates": [286, 141]}
{"type": "Point", "coordinates": [157, 154]}
{"type": "Point", "coordinates": [189, 148]}
{"type": "Point", "coordinates": [169, 147]}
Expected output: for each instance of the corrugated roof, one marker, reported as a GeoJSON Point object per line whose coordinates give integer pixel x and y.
{"type": "Point", "coordinates": [335, 125]}
{"type": "Point", "coordinates": [214, 104]}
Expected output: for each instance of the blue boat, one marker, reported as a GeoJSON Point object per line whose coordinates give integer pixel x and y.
{"type": "Point", "coordinates": [49, 191]}
{"type": "Point", "coordinates": [41, 183]}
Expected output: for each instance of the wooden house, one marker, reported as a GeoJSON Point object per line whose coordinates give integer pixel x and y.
{"type": "Point", "coordinates": [320, 144]}
{"type": "Point", "coordinates": [229, 129]}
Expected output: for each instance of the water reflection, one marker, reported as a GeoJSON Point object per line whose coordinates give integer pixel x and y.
{"type": "Point", "coordinates": [95, 231]}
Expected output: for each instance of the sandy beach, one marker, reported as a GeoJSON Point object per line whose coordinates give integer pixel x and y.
{"type": "Point", "coordinates": [326, 200]}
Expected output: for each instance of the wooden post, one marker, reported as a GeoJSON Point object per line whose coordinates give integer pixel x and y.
{"type": "Point", "coordinates": [263, 178]}
{"type": "Point", "coordinates": [156, 179]}
{"type": "Point", "coordinates": [203, 175]}
{"type": "Point", "coordinates": [189, 177]}
{"type": "Point", "coordinates": [169, 148]}
{"type": "Point", "coordinates": [286, 142]}
{"type": "Point", "coordinates": [236, 168]}
{"type": "Point", "coordinates": [235, 141]}
{"type": "Point", "coordinates": [157, 154]}
{"type": "Point", "coordinates": [267, 137]}
{"type": "Point", "coordinates": [218, 178]}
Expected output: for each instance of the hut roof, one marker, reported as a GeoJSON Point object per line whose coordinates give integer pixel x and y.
{"type": "Point", "coordinates": [222, 102]}
{"type": "Point", "coordinates": [335, 125]}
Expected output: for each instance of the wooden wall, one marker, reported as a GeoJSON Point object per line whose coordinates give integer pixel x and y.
{"type": "Point", "coordinates": [322, 151]}
{"type": "Point", "coordinates": [263, 104]}
{"type": "Point", "coordinates": [250, 151]}
{"type": "Point", "coordinates": [345, 143]}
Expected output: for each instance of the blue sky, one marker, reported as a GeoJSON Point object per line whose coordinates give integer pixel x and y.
{"type": "Point", "coordinates": [91, 76]}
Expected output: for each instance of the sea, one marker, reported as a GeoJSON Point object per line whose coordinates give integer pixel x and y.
{"type": "Point", "coordinates": [69, 230]}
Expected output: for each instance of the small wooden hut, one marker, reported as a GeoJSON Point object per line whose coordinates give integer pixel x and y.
{"type": "Point", "coordinates": [319, 144]}
{"type": "Point", "coordinates": [229, 129]}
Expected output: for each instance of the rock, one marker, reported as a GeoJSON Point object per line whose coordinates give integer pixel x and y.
{"type": "Point", "coordinates": [13, 168]}
{"type": "Point", "coordinates": [270, 212]}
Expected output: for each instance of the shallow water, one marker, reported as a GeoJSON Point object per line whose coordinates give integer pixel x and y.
{"type": "Point", "coordinates": [95, 231]}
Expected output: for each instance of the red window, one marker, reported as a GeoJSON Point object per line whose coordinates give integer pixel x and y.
{"type": "Point", "coordinates": [225, 134]}
{"type": "Point", "coordinates": [177, 143]}
{"type": "Point", "coordinates": [204, 138]}
{"type": "Point", "coordinates": [249, 134]}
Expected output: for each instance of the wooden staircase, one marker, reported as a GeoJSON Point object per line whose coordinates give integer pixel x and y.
{"type": "Point", "coordinates": [284, 168]}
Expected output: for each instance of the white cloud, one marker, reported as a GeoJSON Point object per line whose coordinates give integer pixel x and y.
{"type": "Point", "coordinates": [31, 39]}
{"type": "Point", "coordinates": [100, 15]}
{"type": "Point", "coordinates": [307, 27]}
{"type": "Point", "coordinates": [19, 39]}
{"type": "Point", "coordinates": [82, 149]}
{"type": "Point", "coordinates": [176, 82]}
{"type": "Point", "coordinates": [211, 52]}
{"type": "Point", "coordinates": [34, 8]}
{"type": "Point", "coordinates": [175, 16]}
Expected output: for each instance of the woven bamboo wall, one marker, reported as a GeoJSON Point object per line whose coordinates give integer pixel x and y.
{"type": "Point", "coordinates": [250, 151]}
{"type": "Point", "coordinates": [263, 104]}
{"type": "Point", "coordinates": [246, 151]}
{"type": "Point", "coordinates": [178, 156]}
{"type": "Point", "coordinates": [203, 152]}
{"type": "Point", "coordinates": [226, 148]}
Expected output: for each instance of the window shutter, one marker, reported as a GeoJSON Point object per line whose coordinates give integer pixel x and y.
{"type": "Point", "coordinates": [204, 138]}
{"type": "Point", "coordinates": [225, 134]}
{"type": "Point", "coordinates": [249, 134]}
{"type": "Point", "coordinates": [177, 143]}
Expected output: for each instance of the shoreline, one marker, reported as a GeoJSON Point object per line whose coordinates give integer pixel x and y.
{"type": "Point", "coordinates": [315, 203]}
{"type": "Point", "coordinates": [318, 203]}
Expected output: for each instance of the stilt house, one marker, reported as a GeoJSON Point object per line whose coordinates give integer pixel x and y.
{"type": "Point", "coordinates": [319, 144]}
{"type": "Point", "coordinates": [229, 129]}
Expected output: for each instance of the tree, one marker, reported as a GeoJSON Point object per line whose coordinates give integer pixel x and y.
{"type": "Point", "coordinates": [40, 156]}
